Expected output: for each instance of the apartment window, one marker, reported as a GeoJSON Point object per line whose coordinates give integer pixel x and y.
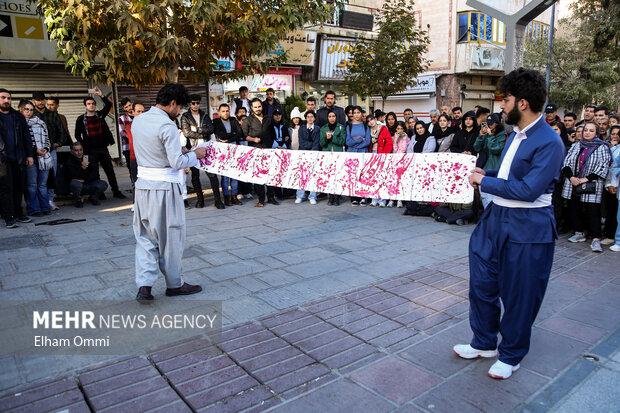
{"type": "Point", "coordinates": [479, 27]}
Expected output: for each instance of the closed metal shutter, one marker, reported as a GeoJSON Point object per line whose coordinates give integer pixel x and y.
{"type": "Point", "coordinates": [148, 94]}
{"type": "Point", "coordinates": [53, 81]}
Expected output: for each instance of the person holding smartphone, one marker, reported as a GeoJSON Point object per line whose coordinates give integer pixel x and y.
{"type": "Point", "coordinates": [491, 141]}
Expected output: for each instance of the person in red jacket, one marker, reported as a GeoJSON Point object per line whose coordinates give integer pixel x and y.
{"type": "Point", "coordinates": [381, 142]}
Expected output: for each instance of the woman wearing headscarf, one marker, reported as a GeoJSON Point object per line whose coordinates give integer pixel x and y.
{"type": "Point", "coordinates": [585, 168]}
{"type": "Point", "coordinates": [421, 141]}
{"type": "Point", "coordinates": [444, 133]}
{"type": "Point", "coordinates": [332, 138]}
{"type": "Point", "coordinates": [465, 136]}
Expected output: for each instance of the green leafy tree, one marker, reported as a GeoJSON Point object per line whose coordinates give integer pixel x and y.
{"type": "Point", "coordinates": [153, 42]}
{"type": "Point", "coordinates": [585, 56]}
{"type": "Point", "coordinates": [388, 64]}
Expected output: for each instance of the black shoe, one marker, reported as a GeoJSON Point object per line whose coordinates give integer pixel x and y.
{"type": "Point", "coordinates": [24, 219]}
{"type": "Point", "coordinates": [273, 201]}
{"type": "Point", "coordinates": [37, 214]}
{"type": "Point", "coordinates": [10, 223]}
{"type": "Point", "coordinates": [102, 197]}
{"type": "Point", "coordinates": [118, 194]}
{"type": "Point", "coordinates": [47, 212]}
{"type": "Point", "coordinates": [354, 203]}
{"type": "Point", "coordinates": [186, 204]}
{"type": "Point", "coordinates": [363, 202]}
{"type": "Point", "coordinates": [94, 200]}
{"type": "Point", "coordinates": [185, 289]}
{"type": "Point", "coordinates": [219, 204]}
{"type": "Point", "coordinates": [337, 201]}
{"type": "Point", "coordinates": [79, 204]}
{"type": "Point", "coordinates": [439, 218]}
{"type": "Point", "coordinates": [144, 295]}
{"type": "Point", "coordinates": [199, 204]}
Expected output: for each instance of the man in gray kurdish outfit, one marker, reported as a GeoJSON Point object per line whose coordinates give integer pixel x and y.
{"type": "Point", "coordinates": [159, 217]}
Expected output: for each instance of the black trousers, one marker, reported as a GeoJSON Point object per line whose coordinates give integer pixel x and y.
{"type": "Point", "coordinates": [127, 154]}
{"type": "Point", "coordinates": [102, 157]}
{"type": "Point", "coordinates": [586, 212]}
{"type": "Point", "coordinates": [611, 221]}
{"type": "Point", "coordinates": [244, 188]}
{"type": "Point", "coordinates": [213, 180]}
{"type": "Point", "coordinates": [95, 188]}
{"type": "Point", "coordinates": [260, 191]}
{"type": "Point", "coordinates": [452, 217]}
{"type": "Point", "coordinates": [12, 186]}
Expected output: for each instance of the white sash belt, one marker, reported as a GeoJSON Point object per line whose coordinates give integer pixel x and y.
{"type": "Point", "coordinates": [159, 174]}
{"type": "Point", "coordinates": [542, 201]}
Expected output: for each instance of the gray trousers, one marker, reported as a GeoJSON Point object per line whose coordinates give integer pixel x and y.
{"type": "Point", "coordinates": [159, 227]}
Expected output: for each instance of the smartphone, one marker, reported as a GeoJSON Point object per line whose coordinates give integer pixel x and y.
{"type": "Point", "coordinates": [85, 159]}
{"type": "Point", "coordinates": [92, 91]}
{"type": "Point", "coordinates": [483, 124]}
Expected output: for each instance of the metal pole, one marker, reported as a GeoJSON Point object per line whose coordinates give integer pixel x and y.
{"type": "Point", "coordinates": [548, 76]}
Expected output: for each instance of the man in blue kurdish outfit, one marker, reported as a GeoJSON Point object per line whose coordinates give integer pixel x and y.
{"type": "Point", "coordinates": [511, 249]}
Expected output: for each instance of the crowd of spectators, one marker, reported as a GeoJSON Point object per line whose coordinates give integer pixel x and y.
{"type": "Point", "coordinates": [585, 201]}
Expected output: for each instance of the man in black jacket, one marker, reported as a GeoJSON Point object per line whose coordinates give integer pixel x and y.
{"type": "Point", "coordinates": [228, 130]}
{"type": "Point", "coordinates": [92, 131]}
{"type": "Point", "coordinates": [17, 152]}
{"type": "Point", "coordinates": [271, 103]}
{"type": "Point", "coordinates": [330, 104]}
{"type": "Point", "coordinates": [257, 131]}
{"type": "Point", "coordinates": [197, 127]}
{"type": "Point", "coordinates": [83, 177]}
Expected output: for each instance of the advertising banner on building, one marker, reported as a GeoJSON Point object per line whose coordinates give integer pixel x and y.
{"type": "Point", "coordinates": [335, 58]}
{"type": "Point", "coordinates": [300, 45]}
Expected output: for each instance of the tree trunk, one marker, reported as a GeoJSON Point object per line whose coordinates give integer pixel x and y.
{"type": "Point", "coordinates": [383, 99]}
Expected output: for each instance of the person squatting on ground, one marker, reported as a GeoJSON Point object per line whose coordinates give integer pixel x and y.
{"type": "Point", "coordinates": [159, 217]}
{"type": "Point", "coordinates": [511, 248]}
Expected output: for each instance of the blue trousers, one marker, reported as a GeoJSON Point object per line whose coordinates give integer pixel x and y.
{"type": "Point", "coordinates": [36, 190]}
{"type": "Point", "coordinates": [515, 272]}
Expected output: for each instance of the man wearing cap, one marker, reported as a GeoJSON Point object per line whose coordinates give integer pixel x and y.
{"type": "Point", "coordinates": [551, 113]}
{"type": "Point", "coordinates": [511, 248]}
{"type": "Point", "coordinates": [56, 132]}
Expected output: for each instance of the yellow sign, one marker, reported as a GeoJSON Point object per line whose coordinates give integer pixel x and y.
{"type": "Point", "coordinates": [300, 45]}
{"type": "Point", "coordinates": [29, 27]}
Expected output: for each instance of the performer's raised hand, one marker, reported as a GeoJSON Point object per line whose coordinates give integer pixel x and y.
{"type": "Point", "coordinates": [200, 152]}
{"type": "Point", "coordinates": [475, 179]}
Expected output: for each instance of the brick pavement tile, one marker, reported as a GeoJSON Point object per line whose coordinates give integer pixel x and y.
{"type": "Point", "coordinates": [321, 340]}
{"type": "Point", "coordinates": [459, 309]}
{"type": "Point", "coordinates": [282, 368]}
{"type": "Point", "coordinates": [307, 332]}
{"type": "Point", "coordinates": [386, 304]}
{"type": "Point", "coordinates": [574, 329]}
{"type": "Point", "coordinates": [414, 315]}
{"type": "Point", "coordinates": [208, 395]}
{"type": "Point", "coordinates": [558, 297]}
{"type": "Point", "coordinates": [73, 286]}
{"type": "Point", "coordinates": [400, 310]}
{"type": "Point", "coordinates": [364, 323]}
{"type": "Point", "coordinates": [409, 408]}
{"type": "Point", "coordinates": [378, 330]}
{"type": "Point", "coordinates": [121, 379]}
{"type": "Point", "coordinates": [246, 307]}
{"type": "Point", "coordinates": [68, 272]}
{"type": "Point", "coordinates": [393, 337]}
{"type": "Point", "coordinates": [590, 312]}
{"type": "Point", "coordinates": [251, 283]}
{"type": "Point", "coordinates": [435, 354]}
{"type": "Point", "coordinates": [325, 304]}
{"type": "Point", "coordinates": [311, 269]}
{"type": "Point", "coordinates": [241, 330]}
{"type": "Point", "coordinates": [349, 356]}
{"type": "Point", "coordinates": [141, 396]}
{"type": "Point", "coordinates": [258, 396]}
{"type": "Point", "coordinates": [550, 353]}
{"type": "Point", "coordinates": [375, 298]}
{"type": "Point", "coordinates": [246, 341]}
{"type": "Point", "coordinates": [252, 351]}
{"type": "Point", "coordinates": [234, 269]}
{"type": "Point", "coordinates": [47, 390]}
{"type": "Point", "coordinates": [447, 302]}
{"type": "Point", "coordinates": [276, 278]}
{"type": "Point", "coordinates": [298, 377]}
{"type": "Point", "coordinates": [190, 369]}
{"type": "Point", "coordinates": [607, 295]}
{"type": "Point", "coordinates": [430, 321]}
{"type": "Point", "coordinates": [334, 347]}
{"type": "Point", "coordinates": [396, 379]}
{"type": "Point", "coordinates": [417, 292]}
{"type": "Point", "coordinates": [191, 380]}
{"type": "Point", "coordinates": [363, 292]}
{"type": "Point", "coordinates": [339, 310]}
{"type": "Point", "coordinates": [282, 317]}
{"type": "Point", "coordinates": [346, 318]}
{"type": "Point", "coordinates": [342, 395]}
{"type": "Point", "coordinates": [295, 325]}
{"type": "Point", "coordinates": [578, 279]}
{"type": "Point", "coordinates": [178, 406]}
{"type": "Point", "coordinates": [393, 282]}
{"type": "Point", "coordinates": [189, 345]}
{"type": "Point", "coordinates": [438, 328]}
{"type": "Point", "coordinates": [460, 288]}
{"type": "Point", "coordinates": [474, 391]}
{"type": "Point", "coordinates": [431, 297]}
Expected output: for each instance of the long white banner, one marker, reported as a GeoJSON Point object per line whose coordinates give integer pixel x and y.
{"type": "Point", "coordinates": [424, 177]}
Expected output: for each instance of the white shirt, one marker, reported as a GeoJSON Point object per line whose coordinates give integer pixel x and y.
{"type": "Point", "coordinates": [504, 171]}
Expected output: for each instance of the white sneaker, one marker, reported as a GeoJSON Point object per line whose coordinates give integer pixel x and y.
{"type": "Point", "coordinates": [596, 245]}
{"type": "Point", "coordinates": [501, 370]}
{"type": "Point", "coordinates": [390, 204]}
{"type": "Point", "coordinates": [615, 248]}
{"type": "Point", "coordinates": [606, 241]}
{"type": "Point", "coordinates": [53, 206]}
{"type": "Point", "coordinates": [249, 196]}
{"type": "Point", "coordinates": [132, 209]}
{"type": "Point", "coordinates": [578, 237]}
{"type": "Point", "coordinates": [399, 204]}
{"type": "Point", "coordinates": [312, 202]}
{"type": "Point", "coordinates": [382, 204]}
{"type": "Point", "coordinates": [468, 352]}
{"type": "Point", "coordinates": [299, 200]}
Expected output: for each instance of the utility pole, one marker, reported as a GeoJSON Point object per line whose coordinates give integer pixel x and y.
{"type": "Point", "coordinates": [515, 27]}
{"type": "Point", "coordinates": [548, 76]}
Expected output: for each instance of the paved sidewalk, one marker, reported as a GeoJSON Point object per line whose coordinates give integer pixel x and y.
{"type": "Point", "coordinates": [326, 308]}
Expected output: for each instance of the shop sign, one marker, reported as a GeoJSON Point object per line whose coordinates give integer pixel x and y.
{"type": "Point", "coordinates": [424, 84]}
{"type": "Point", "coordinates": [335, 58]}
{"type": "Point", "coordinates": [260, 83]}
{"type": "Point", "coordinates": [486, 58]}
{"type": "Point", "coordinates": [300, 45]}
